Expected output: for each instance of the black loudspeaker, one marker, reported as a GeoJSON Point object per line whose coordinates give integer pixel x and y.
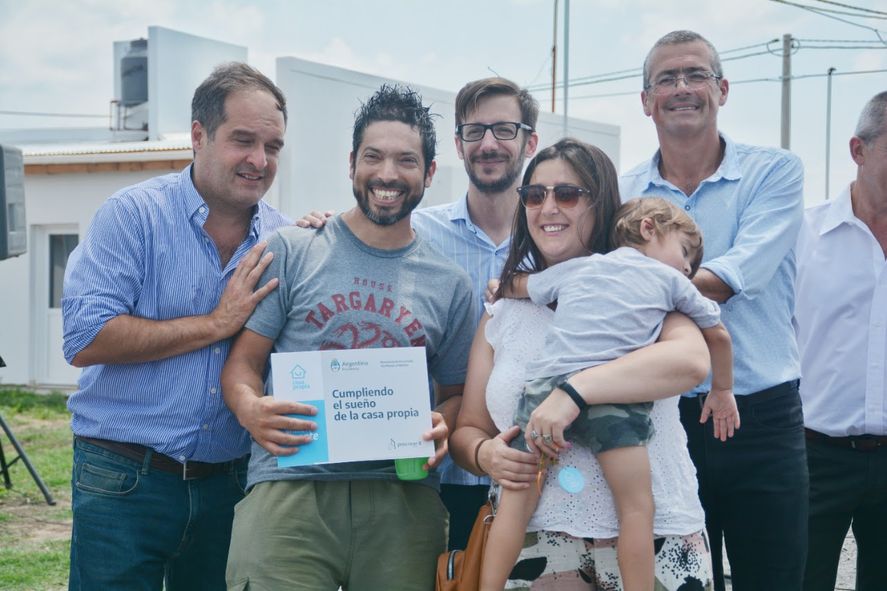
{"type": "Point", "coordinates": [13, 229]}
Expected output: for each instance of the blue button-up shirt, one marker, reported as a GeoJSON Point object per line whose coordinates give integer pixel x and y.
{"type": "Point", "coordinates": [147, 255]}
{"type": "Point", "coordinates": [450, 230]}
{"type": "Point", "coordinates": [750, 211]}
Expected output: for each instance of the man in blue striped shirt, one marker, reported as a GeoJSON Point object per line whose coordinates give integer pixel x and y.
{"type": "Point", "coordinates": [166, 275]}
{"type": "Point", "coordinates": [748, 202]}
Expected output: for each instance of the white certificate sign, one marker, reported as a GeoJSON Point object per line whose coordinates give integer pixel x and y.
{"type": "Point", "coordinates": [372, 404]}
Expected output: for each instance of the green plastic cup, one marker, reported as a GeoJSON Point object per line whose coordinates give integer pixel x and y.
{"type": "Point", "coordinates": [410, 468]}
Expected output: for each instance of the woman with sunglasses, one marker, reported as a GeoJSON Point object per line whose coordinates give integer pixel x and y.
{"type": "Point", "coordinates": [573, 533]}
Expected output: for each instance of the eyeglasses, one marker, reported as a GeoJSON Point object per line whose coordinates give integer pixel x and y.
{"type": "Point", "coordinates": [693, 81]}
{"type": "Point", "coordinates": [502, 130]}
{"type": "Point", "coordinates": [566, 196]}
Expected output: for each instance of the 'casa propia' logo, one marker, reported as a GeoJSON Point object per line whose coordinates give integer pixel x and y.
{"type": "Point", "coordinates": [299, 377]}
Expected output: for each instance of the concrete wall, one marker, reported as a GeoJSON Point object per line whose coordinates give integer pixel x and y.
{"type": "Point", "coordinates": [313, 174]}
{"type": "Point", "coordinates": [62, 200]}
{"type": "Point", "coordinates": [177, 64]}
{"type": "Point", "coordinates": [322, 100]}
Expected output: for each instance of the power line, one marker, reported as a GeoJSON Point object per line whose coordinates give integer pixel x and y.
{"type": "Point", "coordinates": [765, 44]}
{"type": "Point", "coordinates": [40, 114]}
{"type": "Point", "coordinates": [743, 56]}
{"type": "Point", "coordinates": [834, 40]}
{"type": "Point", "coordinates": [797, 45]}
{"type": "Point", "coordinates": [853, 73]}
{"type": "Point", "coordinates": [847, 46]}
{"type": "Point", "coordinates": [735, 82]}
{"type": "Point", "coordinates": [616, 75]}
{"type": "Point", "coordinates": [821, 13]}
{"type": "Point", "coordinates": [852, 7]}
{"type": "Point", "coordinates": [855, 14]}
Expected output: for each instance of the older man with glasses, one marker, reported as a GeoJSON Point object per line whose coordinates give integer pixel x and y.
{"type": "Point", "coordinates": [748, 202]}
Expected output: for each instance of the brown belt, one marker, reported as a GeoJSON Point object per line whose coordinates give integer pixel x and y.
{"type": "Point", "coordinates": [857, 442]}
{"type": "Point", "coordinates": [189, 469]}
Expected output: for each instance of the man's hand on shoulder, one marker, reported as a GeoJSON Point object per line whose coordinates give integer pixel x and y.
{"type": "Point", "coordinates": [315, 219]}
{"type": "Point", "coordinates": [240, 296]}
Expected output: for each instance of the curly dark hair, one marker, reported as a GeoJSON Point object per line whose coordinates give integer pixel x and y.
{"type": "Point", "coordinates": [393, 102]}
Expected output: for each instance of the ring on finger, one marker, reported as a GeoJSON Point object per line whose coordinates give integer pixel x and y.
{"type": "Point", "coordinates": [547, 438]}
{"type": "Point", "coordinates": [534, 435]}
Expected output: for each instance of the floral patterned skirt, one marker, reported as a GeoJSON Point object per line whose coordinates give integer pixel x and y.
{"type": "Point", "coordinates": [555, 561]}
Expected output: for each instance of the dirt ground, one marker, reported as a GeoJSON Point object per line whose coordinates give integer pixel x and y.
{"type": "Point", "coordinates": [35, 523]}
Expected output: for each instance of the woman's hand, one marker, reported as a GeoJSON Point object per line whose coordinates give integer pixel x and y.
{"type": "Point", "coordinates": [511, 468]}
{"type": "Point", "coordinates": [549, 421]}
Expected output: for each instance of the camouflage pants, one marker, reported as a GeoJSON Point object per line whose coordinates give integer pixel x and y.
{"type": "Point", "coordinates": [555, 561]}
{"type": "Point", "coordinates": [601, 428]}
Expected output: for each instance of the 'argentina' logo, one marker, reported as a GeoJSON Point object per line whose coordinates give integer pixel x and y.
{"type": "Point", "coordinates": [335, 365]}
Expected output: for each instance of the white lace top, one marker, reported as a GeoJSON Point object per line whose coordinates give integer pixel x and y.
{"type": "Point", "coordinates": [516, 331]}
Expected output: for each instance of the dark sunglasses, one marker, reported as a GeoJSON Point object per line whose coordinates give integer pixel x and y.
{"type": "Point", "coordinates": [566, 196]}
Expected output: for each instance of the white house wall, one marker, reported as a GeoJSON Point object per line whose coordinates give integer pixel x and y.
{"type": "Point", "coordinates": [313, 175]}
{"type": "Point", "coordinates": [322, 101]}
{"type": "Point", "coordinates": [52, 200]}
{"type": "Point", "coordinates": [177, 64]}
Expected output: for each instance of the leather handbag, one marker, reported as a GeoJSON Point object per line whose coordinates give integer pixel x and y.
{"type": "Point", "coordinates": [459, 570]}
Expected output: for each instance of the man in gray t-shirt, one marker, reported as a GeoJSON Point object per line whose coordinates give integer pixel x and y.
{"type": "Point", "coordinates": [363, 281]}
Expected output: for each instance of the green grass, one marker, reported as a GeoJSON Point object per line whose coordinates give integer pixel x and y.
{"type": "Point", "coordinates": [34, 551]}
{"type": "Point", "coordinates": [38, 567]}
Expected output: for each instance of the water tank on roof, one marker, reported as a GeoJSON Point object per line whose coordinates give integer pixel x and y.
{"type": "Point", "coordinates": [134, 74]}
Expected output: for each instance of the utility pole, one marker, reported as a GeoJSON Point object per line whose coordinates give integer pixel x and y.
{"type": "Point", "coordinates": [566, 60]}
{"type": "Point", "coordinates": [786, 91]}
{"type": "Point", "coordinates": [828, 131]}
{"type": "Point", "coordinates": [554, 59]}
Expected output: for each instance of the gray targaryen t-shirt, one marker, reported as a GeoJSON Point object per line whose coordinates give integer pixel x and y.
{"type": "Point", "coordinates": [336, 292]}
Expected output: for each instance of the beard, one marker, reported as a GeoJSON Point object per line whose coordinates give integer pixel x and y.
{"type": "Point", "coordinates": [409, 203]}
{"type": "Point", "coordinates": [508, 178]}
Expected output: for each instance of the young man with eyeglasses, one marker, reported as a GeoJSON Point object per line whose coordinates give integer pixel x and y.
{"type": "Point", "coordinates": [495, 121]}
{"type": "Point", "coordinates": [748, 202]}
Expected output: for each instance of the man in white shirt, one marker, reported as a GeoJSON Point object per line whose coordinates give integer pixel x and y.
{"type": "Point", "coordinates": [841, 322]}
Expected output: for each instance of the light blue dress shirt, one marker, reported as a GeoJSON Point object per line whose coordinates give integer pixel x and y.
{"type": "Point", "coordinates": [146, 254]}
{"type": "Point", "coordinates": [450, 230]}
{"type": "Point", "coordinates": [750, 211]}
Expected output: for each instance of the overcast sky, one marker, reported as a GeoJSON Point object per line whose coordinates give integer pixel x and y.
{"type": "Point", "coordinates": [56, 57]}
